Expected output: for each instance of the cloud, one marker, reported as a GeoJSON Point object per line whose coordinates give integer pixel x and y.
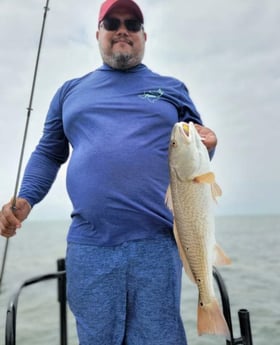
{"type": "Point", "coordinates": [225, 52]}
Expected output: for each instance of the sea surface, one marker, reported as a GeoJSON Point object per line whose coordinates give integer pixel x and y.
{"type": "Point", "coordinates": [252, 281]}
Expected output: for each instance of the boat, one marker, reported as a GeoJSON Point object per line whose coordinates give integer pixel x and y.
{"type": "Point", "coordinates": [245, 337]}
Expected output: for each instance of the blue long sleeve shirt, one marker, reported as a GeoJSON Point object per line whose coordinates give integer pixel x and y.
{"type": "Point", "coordinates": [118, 124]}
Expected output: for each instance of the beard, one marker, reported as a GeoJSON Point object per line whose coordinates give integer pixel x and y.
{"type": "Point", "coordinates": [122, 61]}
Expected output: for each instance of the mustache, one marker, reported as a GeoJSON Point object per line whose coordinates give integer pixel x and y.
{"type": "Point", "coordinates": [122, 39]}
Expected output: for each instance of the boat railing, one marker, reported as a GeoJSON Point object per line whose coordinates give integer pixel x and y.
{"type": "Point", "coordinates": [11, 316]}
{"type": "Point", "coordinates": [243, 314]}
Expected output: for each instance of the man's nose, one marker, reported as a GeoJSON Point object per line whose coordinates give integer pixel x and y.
{"type": "Point", "coordinates": [122, 28]}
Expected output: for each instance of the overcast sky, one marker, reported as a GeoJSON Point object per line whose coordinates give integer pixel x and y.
{"type": "Point", "coordinates": [226, 52]}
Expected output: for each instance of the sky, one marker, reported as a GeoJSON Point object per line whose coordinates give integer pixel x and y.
{"type": "Point", "coordinates": [226, 52]}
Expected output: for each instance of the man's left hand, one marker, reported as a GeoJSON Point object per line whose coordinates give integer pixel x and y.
{"type": "Point", "coordinates": [208, 137]}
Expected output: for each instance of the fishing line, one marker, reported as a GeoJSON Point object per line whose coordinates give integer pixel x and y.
{"type": "Point", "coordinates": [29, 110]}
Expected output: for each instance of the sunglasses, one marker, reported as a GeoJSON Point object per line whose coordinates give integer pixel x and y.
{"type": "Point", "coordinates": [113, 24]}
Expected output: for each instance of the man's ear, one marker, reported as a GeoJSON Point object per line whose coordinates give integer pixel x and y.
{"type": "Point", "coordinates": [97, 35]}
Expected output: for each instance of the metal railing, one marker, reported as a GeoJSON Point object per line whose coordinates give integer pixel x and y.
{"type": "Point", "coordinates": [244, 316]}
{"type": "Point", "coordinates": [60, 275]}
{"type": "Point", "coordinates": [11, 316]}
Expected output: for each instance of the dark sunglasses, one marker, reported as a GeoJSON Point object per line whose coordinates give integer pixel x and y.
{"type": "Point", "coordinates": [113, 24]}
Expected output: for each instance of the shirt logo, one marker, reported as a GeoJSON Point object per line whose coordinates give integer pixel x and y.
{"type": "Point", "coordinates": [152, 95]}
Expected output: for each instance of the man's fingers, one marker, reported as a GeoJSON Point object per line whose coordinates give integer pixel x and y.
{"type": "Point", "coordinates": [8, 221]}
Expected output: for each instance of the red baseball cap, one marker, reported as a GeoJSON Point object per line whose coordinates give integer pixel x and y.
{"type": "Point", "coordinates": [130, 5]}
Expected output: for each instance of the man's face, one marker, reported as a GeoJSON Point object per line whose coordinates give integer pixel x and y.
{"type": "Point", "coordinates": [121, 48]}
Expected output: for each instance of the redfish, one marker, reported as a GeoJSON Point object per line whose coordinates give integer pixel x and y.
{"type": "Point", "coordinates": [190, 197]}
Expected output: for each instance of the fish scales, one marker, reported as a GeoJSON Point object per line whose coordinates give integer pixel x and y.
{"type": "Point", "coordinates": [190, 197]}
{"type": "Point", "coordinates": [195, 228]}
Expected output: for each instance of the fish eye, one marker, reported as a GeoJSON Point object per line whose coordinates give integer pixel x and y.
{"type": "Point", "coordinates": [174, 143]}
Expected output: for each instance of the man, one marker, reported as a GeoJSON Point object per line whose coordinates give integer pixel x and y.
{"type": "Point", "coordinates": [123, 268]}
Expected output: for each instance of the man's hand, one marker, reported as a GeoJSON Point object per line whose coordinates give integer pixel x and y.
{"type": "Point", "coordinates": [12, 217]}
{"type": "Point", "coordinates": [208, 137]}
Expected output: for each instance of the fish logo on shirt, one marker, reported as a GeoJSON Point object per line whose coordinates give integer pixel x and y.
{"type": "Point", "coordinates": [152, 95]}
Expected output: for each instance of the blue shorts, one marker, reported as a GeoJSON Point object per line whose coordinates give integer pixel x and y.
{"type": "Point", "coordinates": [127, 294]}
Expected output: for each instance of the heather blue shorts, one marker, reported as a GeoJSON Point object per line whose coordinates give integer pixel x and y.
{"type": "Point", "coordinates": [127, 294]}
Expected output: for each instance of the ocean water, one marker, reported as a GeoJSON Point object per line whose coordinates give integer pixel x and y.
{"type": "Point", "coordinates": [252, 280]}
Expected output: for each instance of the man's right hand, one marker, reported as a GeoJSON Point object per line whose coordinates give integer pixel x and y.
{"type": "Point", "coordinates": [12, 217]}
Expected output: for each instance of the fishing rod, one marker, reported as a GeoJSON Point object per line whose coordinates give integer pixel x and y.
{"type": "Point", "coordinates": [29, 110]}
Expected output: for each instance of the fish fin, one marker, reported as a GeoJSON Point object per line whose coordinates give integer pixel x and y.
{"type": "Point", "coordinates": [182, 254]}
{"type": "Point", "coordinates": [210, 178]}
{"type": "Point", "coordinates": [215, 190]}
{"type": "Point", "coordinates": [168, 199]}
{"type": "Point", "coordinates": [220, 257]}
{"type": "Point", "coordinates": [205, 178]}
{"type": "Point", "coordinates": [210, 320]}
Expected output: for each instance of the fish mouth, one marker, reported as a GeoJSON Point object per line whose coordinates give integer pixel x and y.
{"type": "Point", "coordinates": [185, 130]}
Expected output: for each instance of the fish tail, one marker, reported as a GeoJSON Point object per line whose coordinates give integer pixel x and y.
{"type": "Point", "coordinates": [210, 320]}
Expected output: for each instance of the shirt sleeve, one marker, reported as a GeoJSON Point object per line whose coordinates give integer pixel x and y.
{"type": "Point", "coordinates": [51, 152]}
